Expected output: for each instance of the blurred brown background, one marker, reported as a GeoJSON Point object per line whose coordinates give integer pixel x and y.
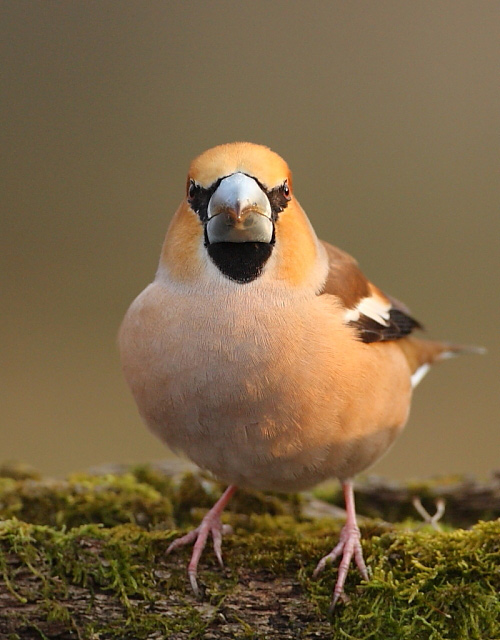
{"type": "Point", "coordinates": [388, 113]}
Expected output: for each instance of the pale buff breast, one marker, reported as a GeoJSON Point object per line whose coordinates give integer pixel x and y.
{"type": "Point", "coordinates": [260, 393]}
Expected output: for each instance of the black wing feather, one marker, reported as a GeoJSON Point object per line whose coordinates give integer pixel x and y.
{"type": "Point", "coordinates": [400, 324]}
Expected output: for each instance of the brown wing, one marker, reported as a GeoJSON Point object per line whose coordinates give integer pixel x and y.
{"type": "Point", "coordinates": [376, 316]}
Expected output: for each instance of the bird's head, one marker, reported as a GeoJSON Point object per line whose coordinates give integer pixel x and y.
{"type": "Point", "coordinates": [240, 220]}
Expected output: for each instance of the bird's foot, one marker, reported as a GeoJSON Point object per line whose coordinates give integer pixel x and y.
{"type": "Point", "coordinates": [348, 546]}
{"type": "Point", "coordinates": [210, 525]}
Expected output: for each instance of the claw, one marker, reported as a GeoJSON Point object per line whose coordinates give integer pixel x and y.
{"type": "Point", "coordinates": [217, 538]}
{"type": "Point", "coordinates": [194, 583]}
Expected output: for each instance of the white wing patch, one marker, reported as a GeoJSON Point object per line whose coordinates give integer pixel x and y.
{"type": "Point", "coordinates": [371, 307]}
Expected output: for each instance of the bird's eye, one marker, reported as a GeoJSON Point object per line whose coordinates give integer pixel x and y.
{"type": "Point", "coordinates": [192, 189]}
{"type": "Point", "coordinates": [286, 190]}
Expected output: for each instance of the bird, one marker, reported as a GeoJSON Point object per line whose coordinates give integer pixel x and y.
{"type": "Point", "coordinates": [263, 353]}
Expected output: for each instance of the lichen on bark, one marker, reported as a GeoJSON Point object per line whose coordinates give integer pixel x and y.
{"type": "Point", "coordinates": [85, 558]}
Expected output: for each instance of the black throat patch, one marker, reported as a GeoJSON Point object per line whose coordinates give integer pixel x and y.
{"type": "Point", "coordinates": [240, 261]}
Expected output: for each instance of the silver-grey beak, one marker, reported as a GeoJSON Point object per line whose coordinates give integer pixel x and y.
{"type": "Point", "coordinates": [239, 211]}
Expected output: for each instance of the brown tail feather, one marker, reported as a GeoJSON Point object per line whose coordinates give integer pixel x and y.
{"type": "Point", "coordinates": [451, 350]}
{"type": "Point", "coordinates": [419, 352]}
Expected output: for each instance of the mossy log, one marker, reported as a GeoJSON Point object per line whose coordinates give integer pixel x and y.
{"type": "Point", "coordinates": [85, 558]}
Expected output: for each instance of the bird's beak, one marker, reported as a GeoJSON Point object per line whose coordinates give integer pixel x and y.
{"type": "Point", "coordinates": [239, 211]}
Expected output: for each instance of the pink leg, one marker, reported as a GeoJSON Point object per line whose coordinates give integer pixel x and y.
{"type": "Point", "coordinates": [349, 546]}
{"type": "Point", "coordinates": [210, 524]}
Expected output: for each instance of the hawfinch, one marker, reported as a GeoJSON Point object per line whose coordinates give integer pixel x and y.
{"type": "Point", "coordinates": [262, 352]}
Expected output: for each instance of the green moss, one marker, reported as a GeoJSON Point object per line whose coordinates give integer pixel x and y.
{"type": "Point", "coordinates": [425, 584]}
{"type": "Point", "coordinates": [146, 474]}
{"type": "Point", "coordinates": [106, 500]}
{"type": "Point", "coordinates": [273, 504]}
{"type": "Point", "coordinates": [428, 584]}
{"type": "Point", "coordinates": [18, 471]}
{"type": "Point", "coordinates": [193, 493]}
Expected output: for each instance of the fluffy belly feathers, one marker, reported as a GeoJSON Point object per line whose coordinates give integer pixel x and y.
{"type": "Point", "coordinates": [252, 397]}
